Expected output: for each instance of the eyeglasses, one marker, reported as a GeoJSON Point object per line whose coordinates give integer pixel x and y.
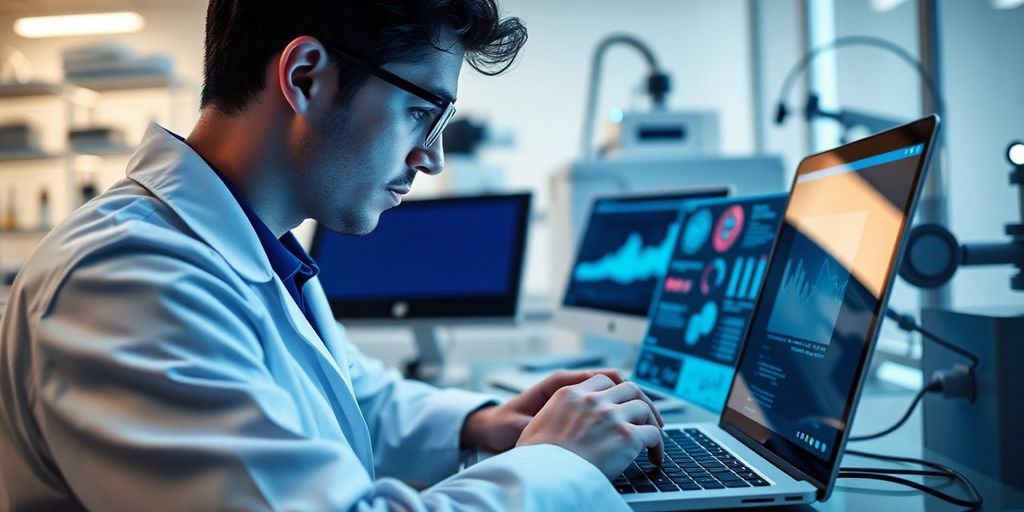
{"type": "Point", "coordinates": [447, 107]}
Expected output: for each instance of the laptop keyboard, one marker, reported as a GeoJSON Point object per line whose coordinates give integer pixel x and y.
{"type": "Point", "coordinates": [692, 462]}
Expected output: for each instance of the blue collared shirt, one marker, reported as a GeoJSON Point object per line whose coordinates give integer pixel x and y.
{"type": "Point", "coordinates": [288, 259]}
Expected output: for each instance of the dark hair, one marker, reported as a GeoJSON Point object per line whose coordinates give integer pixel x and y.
{"type": "Point", "coordinates": [242, 35]}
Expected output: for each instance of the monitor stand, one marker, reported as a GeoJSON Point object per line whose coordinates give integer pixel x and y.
{"type": "Point", "coordinates": [429, 365]}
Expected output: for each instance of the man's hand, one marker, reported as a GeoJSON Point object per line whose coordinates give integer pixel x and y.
{"type": "Point", "coordinates": [498, 428]}
{"type": "Point", "coordinates": [604, 420]}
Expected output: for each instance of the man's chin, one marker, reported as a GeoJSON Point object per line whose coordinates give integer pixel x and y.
{"type": "Point", "coordinates": [353, 224]}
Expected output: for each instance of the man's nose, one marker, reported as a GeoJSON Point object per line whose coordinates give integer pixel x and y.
{"type": "Point", "coordinates": [428, 160]}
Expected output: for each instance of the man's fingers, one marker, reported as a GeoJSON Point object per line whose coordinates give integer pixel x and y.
{"type": "Point", "coordinates": [650, 436]}
{"type": "Point", "coordinates": [561, 379]}
{"type": "Point", "coordinates": [615, 375]}
{"type": "Point", "coordinates": [626, 391]}
{"type": "Point", "coordinates": [598, 382]}
{"type": "Point", "coordinates": [533, 399]}
{"type": "Point", "coordinates": [638, 412]}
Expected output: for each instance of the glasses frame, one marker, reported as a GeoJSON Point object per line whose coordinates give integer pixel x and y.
{"type": "Point", "coordinates": [447, 107]}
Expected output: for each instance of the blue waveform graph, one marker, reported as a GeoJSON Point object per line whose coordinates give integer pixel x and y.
{"type": "Point", "coordinates": [701, 324]}
{"type": "Point", "coordinates": [809, 309]}
{"type": "Point", "coordinates": [631, 262]}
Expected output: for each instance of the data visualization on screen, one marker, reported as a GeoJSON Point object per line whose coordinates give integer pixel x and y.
{"type": "Point", "coordinates": [625, 250]}
{"type": "Point", "coordinates": [822, 294]}
{"type": "Point", "coordinates": [712, 280]}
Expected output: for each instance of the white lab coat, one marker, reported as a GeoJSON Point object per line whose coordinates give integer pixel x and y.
{"type": "Point", "coordinates": [151, 360]}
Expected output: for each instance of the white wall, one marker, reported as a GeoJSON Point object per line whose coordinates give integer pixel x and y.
{"type": "Point", "coordinates": [984, 83]}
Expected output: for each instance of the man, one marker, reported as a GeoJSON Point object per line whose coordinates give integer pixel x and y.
{"type": "Point", "coordinates": [168, 347]}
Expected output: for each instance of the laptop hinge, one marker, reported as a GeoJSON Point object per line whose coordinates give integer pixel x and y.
{"type": "Point", "coordinates": [775, 460]}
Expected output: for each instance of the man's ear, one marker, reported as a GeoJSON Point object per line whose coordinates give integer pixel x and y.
{"type": "Point", "coordinates": [303, 73]}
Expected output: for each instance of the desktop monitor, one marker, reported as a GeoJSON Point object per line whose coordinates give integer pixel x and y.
{"type": "Point", "coordinates": [621, 257]}
{"type": "Point", "coordinates": [701, 307]}
{"type": "Point", "coordinates": [444, 260]}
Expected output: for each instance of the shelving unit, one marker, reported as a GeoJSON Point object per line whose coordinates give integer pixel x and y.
{"type": "Point", "coordinates": [53, 110]}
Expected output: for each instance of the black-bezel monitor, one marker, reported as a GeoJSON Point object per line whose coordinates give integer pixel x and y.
{"type": "Point", "coordinates": [622, 227]}
{"type": "Point", "coordinates": [449, 259]}
{"type": "Point", "coordinates": [815, 324]}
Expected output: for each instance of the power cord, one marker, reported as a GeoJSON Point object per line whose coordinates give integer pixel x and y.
{"type": "Point", "coordinates": [907, 323]}
{"type": "Point", "coordinates": [974, 500]}
{"type": "Point", "coordinates": [955, 383]}
{"type": "Point", "coordinates": [933, 386]}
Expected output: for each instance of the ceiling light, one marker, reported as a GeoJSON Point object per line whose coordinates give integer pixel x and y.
{"type": "Point", "coordinates": [79, 24]}
{"type": "Point", "coordinates": [885, 5]}
{"type": "Point", "coordinates": [1007, 4]}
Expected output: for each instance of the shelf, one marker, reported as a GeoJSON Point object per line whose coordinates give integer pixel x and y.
{"type": "Point", "coordinates": [16, 90]}
{"type": "Point", "coordinates": [126, 82]}
{"type": "Point", "coordinates": [18, 156]}
{"type": "Point", "coordinates": [38, 233]}
{"type": "Point", "coordinates": [21, 156]}
{"type": "Point", "coordinates": [103, 150]}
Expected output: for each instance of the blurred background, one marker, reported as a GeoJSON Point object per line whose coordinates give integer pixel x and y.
{"type": "Point", "coordinates": [73, 105]}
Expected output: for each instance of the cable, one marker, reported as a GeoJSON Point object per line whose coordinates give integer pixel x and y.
{"type": "Point", "coordinates": [932, 386]}
{"type": "Point", "coordinates": [907, 323]}
{"type": "Point", "coordinates": [876, 42]}
{"type": "Point", "coordinates": [897, 471]}
{"type": "Point", "coordinates": [885, 474]}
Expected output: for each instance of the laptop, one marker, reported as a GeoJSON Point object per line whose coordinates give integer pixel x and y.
{"type": "Point", "coordinates": [700, 311]}
{"type": "Point", "coordinates": [801, 366]}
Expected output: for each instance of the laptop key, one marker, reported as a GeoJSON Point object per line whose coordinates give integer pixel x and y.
{"type": "Point", "coordinates": [625, 489]}
{"type": "Point", "coordinates": [757, 482]}
{"type": "Point", "coordinates": [689, 486]}
{"type": "Point", "coordinates": [667, 487]}
{"type": "Point", "coordinates": [646, 489]}
{"type": "Point", "coordinates": [735, 483]}
{"type": "Point", "coordinates": [711, 485]}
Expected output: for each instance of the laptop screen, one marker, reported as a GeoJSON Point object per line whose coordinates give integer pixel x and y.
{"type": "Point", "coordinates": [701, 308]}
{"type": "Point", "coordinates": [801, 369]}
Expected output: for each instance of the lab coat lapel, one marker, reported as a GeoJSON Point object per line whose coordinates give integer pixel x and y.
{"type": "Point", "coordinates": [313, 293]}
{"type": "Point", "coordinates": [334, 370]}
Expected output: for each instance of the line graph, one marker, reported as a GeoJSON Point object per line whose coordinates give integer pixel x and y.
{"type": "Point", "coordinates": [806, 308]}
{"type": "Point", "coordinates": [631, 262]}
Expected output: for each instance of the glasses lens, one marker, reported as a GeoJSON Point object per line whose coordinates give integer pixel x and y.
{"type": "Point", "coordinates": [439, 125]}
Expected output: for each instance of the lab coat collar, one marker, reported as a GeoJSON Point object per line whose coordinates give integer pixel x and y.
{"type": "Point", "coordinates": [179, 177]}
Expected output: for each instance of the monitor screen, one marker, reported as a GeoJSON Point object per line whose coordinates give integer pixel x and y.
{"type": "Point", "coordinates": [700, 310]}
{"type": "Point", "coordinates": [801, 368]}
{"type": "Point", "coordinates": [625, 249]}
{"type": "Point", "coordinates": [457, 257]}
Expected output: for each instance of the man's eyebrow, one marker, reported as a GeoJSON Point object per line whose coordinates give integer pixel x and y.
{"type": "Point", "coordinates": [443, 94]}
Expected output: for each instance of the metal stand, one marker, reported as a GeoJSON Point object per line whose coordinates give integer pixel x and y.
{"type": "Point", "coordinates": [429, 365]}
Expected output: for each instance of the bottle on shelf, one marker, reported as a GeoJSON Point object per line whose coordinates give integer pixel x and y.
{"type": "Point", "coordinates": [10, 222]}
{"type": "Point", "coordinates": [44, 210]}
